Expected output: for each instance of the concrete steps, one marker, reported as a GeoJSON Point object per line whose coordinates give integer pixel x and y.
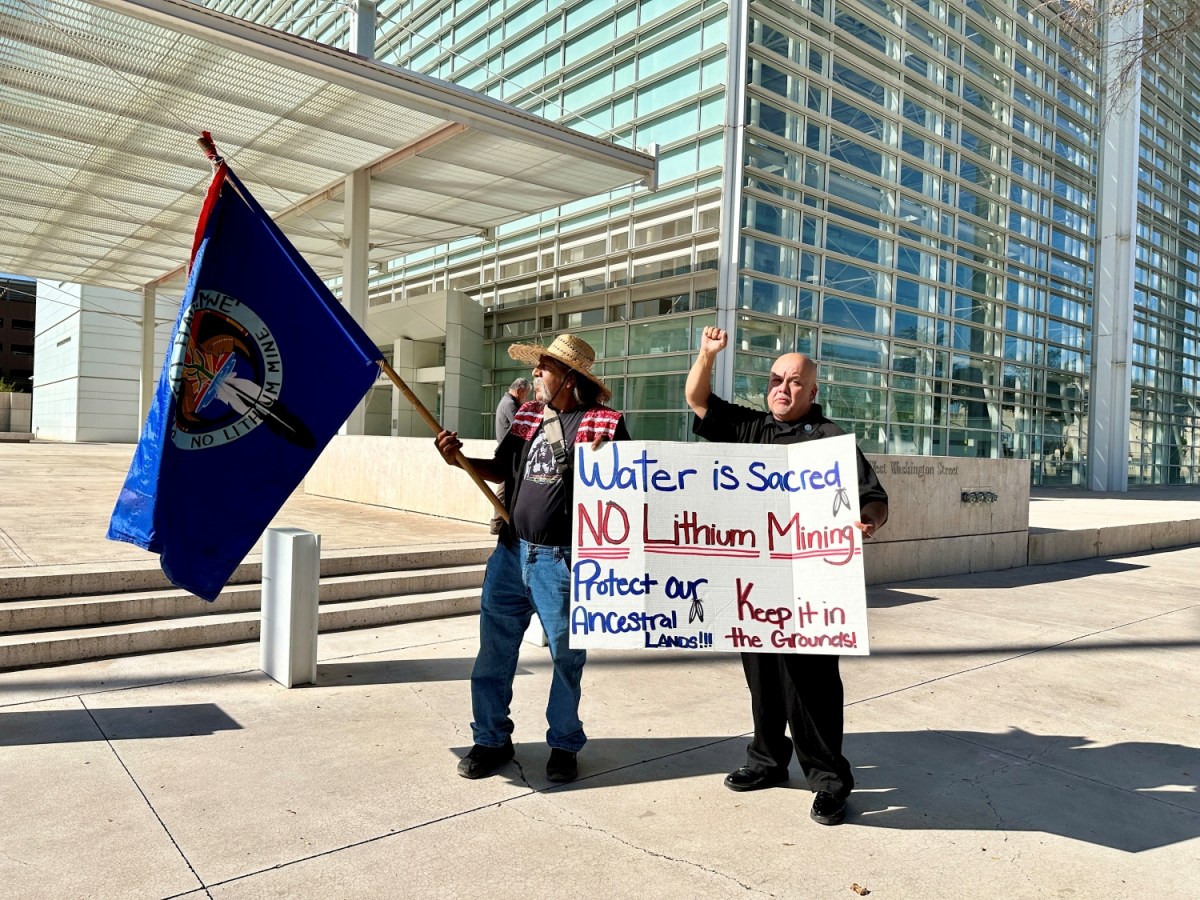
{"type": "Point", "coordinates": [71, 614]}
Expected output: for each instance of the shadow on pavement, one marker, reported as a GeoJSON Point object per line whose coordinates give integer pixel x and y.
{"type": "Point", "coordinates": [1131, 796]}
{"type": "Point", "coordinates": [119, 723]}
{"type": "Point", "coordinates": [1025, 576]}
{"type": "Point", "coordinates": [394, 671]}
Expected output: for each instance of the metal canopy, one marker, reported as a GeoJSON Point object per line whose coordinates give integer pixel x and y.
{"type": "Point", "coordinates": [101, 180]}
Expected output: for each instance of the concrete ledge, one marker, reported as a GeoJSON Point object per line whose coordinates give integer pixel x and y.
{"type": "Point", "coordinates": [400, 473]}
{"type": "Point", "coordinates": [1178, 533]}
{"type": "Point", "coordinates": [925, 496]}
{"type": "Point", "coordinates": [16, 436]}
{"type": "Point", "coordinates": [1121, 540]}
{"type": "Point", "coordinates": [1062, 546]}
{"type": "Point", "coordinates": [1112, 540]}
{"type": "Point", "coordinates": [935, 557]}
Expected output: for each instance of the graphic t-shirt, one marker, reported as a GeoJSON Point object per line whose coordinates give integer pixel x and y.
{"type": "Point", "coordinates": [540, 514]}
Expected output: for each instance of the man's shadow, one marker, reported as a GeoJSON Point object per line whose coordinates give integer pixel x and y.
{"type": "Point", "coordinates": [1131, 796]}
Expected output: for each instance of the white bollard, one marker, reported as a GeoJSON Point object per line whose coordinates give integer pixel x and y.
{"type": "Point", "coordinates": [291, 573]}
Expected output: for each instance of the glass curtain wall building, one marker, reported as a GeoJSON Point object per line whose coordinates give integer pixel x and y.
{"type": "Point", "coordinates": [1164, 435]}
{"type": "Point", "coordinates": [908, 191]}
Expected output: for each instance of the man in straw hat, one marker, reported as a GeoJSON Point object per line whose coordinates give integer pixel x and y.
{"type": "Point", "coordinates": [802, 692]}
{"type": "Point", "coordinates": [530, 569]}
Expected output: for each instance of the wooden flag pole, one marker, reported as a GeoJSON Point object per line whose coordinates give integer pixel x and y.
{"type": "Point", "coordinates": [435, 426]}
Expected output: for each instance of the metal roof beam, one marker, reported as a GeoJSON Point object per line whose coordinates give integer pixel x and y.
{"type": "Point", "coordinates": [411, 89]}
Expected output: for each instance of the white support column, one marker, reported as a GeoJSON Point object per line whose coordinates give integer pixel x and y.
{"type": "Point", "coordinates": [146, 393]}
{"type": "Point", "coordinates": [731, 195]}
{"type": "Point", "coordinates": [409, 357]}
{"type": "Point", "coordinates": [362, 28]}
{"type": "Point", "coordinates": [463, 391]}
{"type": "Point", "coordinates": [356, 267]}
{"type": "Point", "coordinates": [291, 574]}
{"type": "Point", "coordinates": [1116, 225]}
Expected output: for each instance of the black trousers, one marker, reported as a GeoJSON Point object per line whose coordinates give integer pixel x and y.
{"type": "Point", "coordinates": [804, 693]}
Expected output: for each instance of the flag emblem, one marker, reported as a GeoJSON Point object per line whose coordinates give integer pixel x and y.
{"type": "Point", "coordinates": [226, 372]}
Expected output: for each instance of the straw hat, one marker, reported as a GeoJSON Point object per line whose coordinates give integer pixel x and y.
{"type": "Point", "coordinates": [574, 353]}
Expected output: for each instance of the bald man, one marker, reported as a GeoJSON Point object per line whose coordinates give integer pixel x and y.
{"type": "Point", "coordinates": [802, 692]}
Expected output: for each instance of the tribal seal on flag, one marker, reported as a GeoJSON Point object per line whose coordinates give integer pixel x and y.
{"type": "Point", "coordinates": [226, 373]}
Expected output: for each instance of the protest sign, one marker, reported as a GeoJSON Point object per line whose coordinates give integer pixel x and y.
{"type": "Point", "coordinates": [742, 547]}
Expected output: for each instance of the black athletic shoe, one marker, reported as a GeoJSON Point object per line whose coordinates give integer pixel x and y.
{"type": "Point", "coordinates": [561, 766]}
{"type": "Point", "coordinates": [482, 761]}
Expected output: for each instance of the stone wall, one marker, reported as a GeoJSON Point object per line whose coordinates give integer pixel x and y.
{"type": "Point", "coordinates": [15, 414]}
{"type": "Point", "coordinates": [401, 473]}
{"type": "Point", "coordinates": [931, 531]}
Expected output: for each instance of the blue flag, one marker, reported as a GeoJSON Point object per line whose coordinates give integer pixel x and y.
{"type": "Point", "coordinates": [264, 366]}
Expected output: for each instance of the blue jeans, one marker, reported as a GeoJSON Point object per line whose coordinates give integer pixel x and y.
{"type": "Point", "coordinates": [522, 579]}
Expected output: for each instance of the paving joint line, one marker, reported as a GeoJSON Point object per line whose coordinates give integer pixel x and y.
{"type": "Point", "coordinates": [149, 805]}
{"type": "Point", "coordinates": [15, 548]}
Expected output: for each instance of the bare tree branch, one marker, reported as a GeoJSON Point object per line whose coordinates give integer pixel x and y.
{"type": "Point", "coordinates": [1166, 27]}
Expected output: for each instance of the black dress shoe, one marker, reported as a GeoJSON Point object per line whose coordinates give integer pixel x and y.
{"type": "Point", "coordinates": [482, 761]}
{"type": "Point", "coordinates": [828, 809]}
{"type": "Point", "coordinates": [561, 766]}
{"type": "Point", "coordinates": [747, 779]}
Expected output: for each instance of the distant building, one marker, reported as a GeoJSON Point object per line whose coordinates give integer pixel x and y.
{"type": "Point", "coordinates": [17, 301]}
{"type": "Point", "coordinates": [88, 369]}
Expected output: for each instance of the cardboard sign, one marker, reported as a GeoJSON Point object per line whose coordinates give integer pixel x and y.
{"type": "Point", "coordinates": [743, 547]}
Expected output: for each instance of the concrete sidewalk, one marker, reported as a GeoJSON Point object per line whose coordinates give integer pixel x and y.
{"type": "Point", "coordinates": [1024, 733]}
{"type": "Point", "coordinates": [56, 499]}
{"type": "Point", "coordinates": [1028, 733]}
